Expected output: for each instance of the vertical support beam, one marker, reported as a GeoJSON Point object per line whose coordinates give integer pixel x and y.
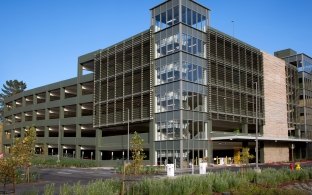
{"type": "Point", "coordinates": [77, 151]}
{"type": "Point", "coordinates": [210, 144]}
{"type": "Point", "coordinates": [78, 138]}
{"type": "Point", "coordinates": [45, 149]}
{"type": "Point", "coordinates": [245, 128]}
{"type": "Point", "coordinates": [97, 145]}
{"type": "Point", "coordinates": [80, 70]}
{"type": "Point", "coordinates": [152, 151]}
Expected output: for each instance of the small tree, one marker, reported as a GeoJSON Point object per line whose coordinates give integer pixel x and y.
{"type": "Point", "coordinates": [24, 149]}
{"type": "Point", "coordinates": [137, 152]}
{"type": "Point", "coordinates": [246, 156]}
{"type": "Point", "coordinates": [20, 157]}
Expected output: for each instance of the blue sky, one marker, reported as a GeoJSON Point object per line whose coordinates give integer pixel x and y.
{"type": "Point", "coordinates": [40, 40]}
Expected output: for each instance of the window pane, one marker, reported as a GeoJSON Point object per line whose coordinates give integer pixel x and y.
{"type": "Point", "coordinates": [157, 23]}
{"type": "Point", "coordinates": [184, 14]}
{"type": "Point", "coordinates": [163, 47]}
{"type": "Point", "coordinates": [199, 46]}
{"type": "Point", "coordinates": [189, 44]}
{"type": "Point", "coordinates": [194, 20]}
{"type": "Point", "coordinates": [176, 71]}
{"type": "Point", "coordinates": [204, 23]}
{"type": "Point", "coordinates": [200, 75]}
{"type": "Point", "coordinates": [184, 41]}
{"type": "Point", "coordinates": [176, 42]}
{"type": "Point", "coordinates": [163, 20]}
{"type": "Point", "coordinates": [169, 17]}
{"type": "Point", "coordinates": [170, 44]}
{"type": "Point", "coordinates": [194, 73]}
{"type": "Point", "coordinates": [176, 14]}
{"type": "Point", "coordinates": [184, 70]}
{"type": "Point", "coordinates": [194, 46]}
{"type": "Point", "coordinates": [199, 21]}
{"type": "Point", "coordinates": [190, 72]}
{"type": "Point", "coordinates": [189, 16]}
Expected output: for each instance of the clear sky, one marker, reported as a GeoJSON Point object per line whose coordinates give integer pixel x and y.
{"type": "Point", "coordinates": [40, 40]}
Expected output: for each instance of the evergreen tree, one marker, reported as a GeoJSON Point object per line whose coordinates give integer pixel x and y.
{"type": "Point", "coordinates": [10, 88]}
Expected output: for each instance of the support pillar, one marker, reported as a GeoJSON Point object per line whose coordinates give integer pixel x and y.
{"type": "Point", "coordinates": [152, 152]}
{"type": "Point", "coordinates": [245, 128]}
{"type": "Point", "coordinates": [210, 143]}
{"type": "Point", "coordinates": [97, 145]}
{"type": "Point", "coordinates": [77, 152]}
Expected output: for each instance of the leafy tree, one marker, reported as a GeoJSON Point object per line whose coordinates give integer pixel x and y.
{"type": "Point", "coordinates": [21, 154]}
{"type": "Point", "coordinates": [11, 87]}
{"type": "Point", "coordinates": [246, 156]}
{"type": "Point", "coordinates": [137, 152]}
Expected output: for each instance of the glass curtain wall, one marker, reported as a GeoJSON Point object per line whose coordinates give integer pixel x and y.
{"type": "Point", "coordinates": [180, 79]}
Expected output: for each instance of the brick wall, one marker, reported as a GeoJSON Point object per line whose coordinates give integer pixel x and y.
{"type": "Point", "coordinates": [275, 102]}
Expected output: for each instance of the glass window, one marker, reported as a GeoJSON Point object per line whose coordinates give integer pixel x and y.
{"type": "Point", "coordinates": [184, 14]}
{"type": "Point", "coordinates": [157, 49]}
{"type": "Point", "coordinates": [184, 41]}
{"type": "Point", "coordinates": [199, 48]}
{"type": "Point", "coordinates": [157, 23]}
{"type": "Point", "coordinates": [200, 75]}
{"type": "Point", "coordinates": [176, 71]}
{"type": "Point", "coordinates": [170, 72]}
{"type": "Point", "coordinates": [194, 70]}
{"type": "Point", "coordinates": [158, 75]}
{"type": "Point", "coordinates": [204, 22]}
{"type": "Point", "coordinates": [189, 16]}
{"type": "Point", "coordinates": [169, 17]}
{"type": "Point", "coordinates": [176, 42]}
{"type": "Point", "coordinates": [163, 74]}
{"type": "Point", "coordinates": [176, 14]}
{"type": "Point", "coordinates": [163, 48]}
{"type": "Point", "coordinates": [190, 72]}
{"type": "Point", "coordinates": [189, 44]}
{"type": "Point", "coordinates": [199, 19]}
{"type": "Point", "coordinates": [194, 20]}
{"type": "Point", "coordinates": [184, 70]}
{"type": "Point", "coordinates": [163, 20]}
{"type": "Point", "coordinates": [170, 44]}
{"type": "Point", "coordinates": [194, 46]}
{"type": "Point", "coordinates": [158, 103]}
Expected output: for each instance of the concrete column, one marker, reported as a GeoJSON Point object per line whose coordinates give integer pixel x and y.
{"type": "Point", "coordinates": [23, 117]}
{"type": "Point", "coordinates": [47, 94]}
{"type": "Point", "coordinates": [152, 151]}
{"type": "Point", "coordinates": [46, 113]}
{"type": "Point", "coordinates": [45, 149]}
{"type": "Point", "coordinates": [210, 143]}
{"type": "Point", "coordinates": [34, 115]}
{"type": "Point", "coordinates": [79, 69]}
{"type": "Point", "coordinates": [245, 128]}
{"type": "Point", "coordinates": [35, 99]}
{"type": "Point", "coordinates": [77, 152]}
{"type": "Point", "coordinates": [46, 133]}
{"type": "Point", "coordinates": [23, 101]}
{"type": "Point", "coordinates": [97, 144]}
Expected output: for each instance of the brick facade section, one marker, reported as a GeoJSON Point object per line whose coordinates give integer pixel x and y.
{"type": "Point", "coordinates": [276, 152]}
{"type": "Point", "coordinates": [275, 102]}
{"type": "Point", "coordinates": [275, 106]}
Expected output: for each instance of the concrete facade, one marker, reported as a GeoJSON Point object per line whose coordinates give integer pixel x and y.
{"type": "Point", "coordinates": [187, 88]}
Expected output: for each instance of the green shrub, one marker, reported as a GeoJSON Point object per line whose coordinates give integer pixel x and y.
{"type": "Point", "coordinates": [51, 161]}
{"type": "Point", "coordinates": [49, 189]}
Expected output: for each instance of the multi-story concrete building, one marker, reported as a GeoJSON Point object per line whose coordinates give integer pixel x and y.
{"type": "Point", "coordinates": [299, 96]}
{"type": "Point", "coordinates": [191, 92]}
